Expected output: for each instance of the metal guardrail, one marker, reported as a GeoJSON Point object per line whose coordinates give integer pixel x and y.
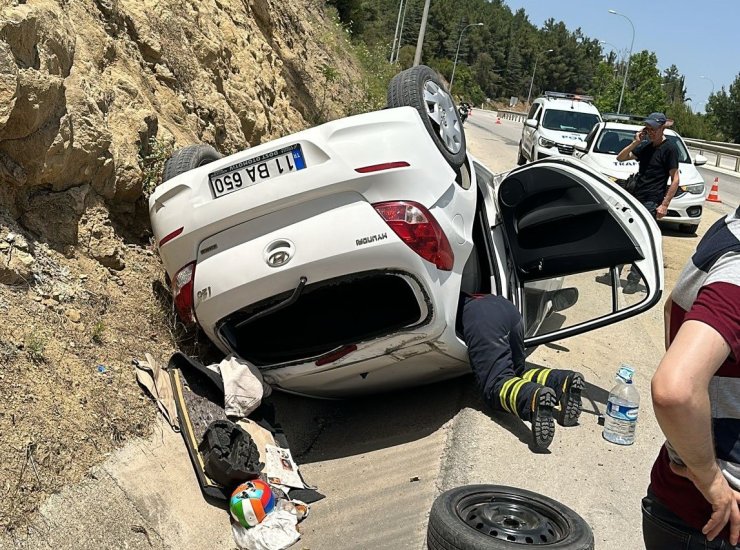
{"type": "Point", "coordinates": [516, 116]}
{"type": "Point", "coordinates": [729, 152]}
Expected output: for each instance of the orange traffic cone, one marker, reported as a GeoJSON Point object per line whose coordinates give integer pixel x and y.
{"type": "Point", "coordinates": [498, 120]}
{"type": "Point", "coordinates": [714, 193]}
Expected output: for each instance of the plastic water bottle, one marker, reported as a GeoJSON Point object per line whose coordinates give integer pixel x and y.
{"type": "Point", "coordinates": [621, 409]}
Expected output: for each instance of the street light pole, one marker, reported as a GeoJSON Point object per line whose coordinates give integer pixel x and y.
{"type": "Point", "coordinates": [395, 36]}
{"type": "Point", "coordinates": [629, 58]}
{"type": "Point", "coordinates": [617, 52]}
{"type": "Point", "coordinates": [400, 31]}
{"type": "Point", "coordinates": [529, 95]}
{"type": "Point", "coordinates": [420, 41]}
{"type": "Point", "coordinates": [454, 65]}
{"type": "Point", "coordinates": [710, 81]}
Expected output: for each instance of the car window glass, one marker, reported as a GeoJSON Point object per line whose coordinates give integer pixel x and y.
{"type": "Point", "coordinates": [591, 135]}
{"type": "Point", "coordinates": [569, 121]}
{"type": "Point", "coordinates": [533, 110]}
{"type": "Point", "coordinates": [561, 302]}
{"type": "Point", "coordinates": [683, 154]}
{"type": "Point", "coordinates": [611, 141]}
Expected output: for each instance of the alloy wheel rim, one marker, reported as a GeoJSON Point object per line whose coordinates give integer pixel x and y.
{"type": "Point", "coordinates": [442, 113]}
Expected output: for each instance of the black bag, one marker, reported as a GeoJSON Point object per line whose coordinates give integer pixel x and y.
{"type": "Point", "coordinates": [229, 454]}
{"type": "Point", "coordinates": [631, 183]}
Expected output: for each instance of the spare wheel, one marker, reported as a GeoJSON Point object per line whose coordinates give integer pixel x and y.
{"type": "Point", "coordinates": [496, 517]}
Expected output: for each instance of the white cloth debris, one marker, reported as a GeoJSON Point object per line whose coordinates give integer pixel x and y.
{"type": "Point", "coordinates": [244, 387]}
{"type": "Point", "coordinates": [276, 532]}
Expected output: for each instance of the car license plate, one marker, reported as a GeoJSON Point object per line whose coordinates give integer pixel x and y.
{"type": "Point", "coordinates": [256, 170]}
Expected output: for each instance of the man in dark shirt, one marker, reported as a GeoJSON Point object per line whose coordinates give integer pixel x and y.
{"type": "Point", "coordinates": [658, 160]}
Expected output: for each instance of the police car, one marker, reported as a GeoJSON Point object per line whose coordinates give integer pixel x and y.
{"type": "Point", "coordinates": [555, 123]}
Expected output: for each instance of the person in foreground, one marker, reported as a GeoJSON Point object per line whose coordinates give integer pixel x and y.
{"type": "Point", "coordinates": [493, 330]}
{"type": "Point", "coordinates": [692, 500]}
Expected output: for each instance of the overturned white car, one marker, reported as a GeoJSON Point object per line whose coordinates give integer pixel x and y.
{"type": "Point", "coordinates": [334, 258]}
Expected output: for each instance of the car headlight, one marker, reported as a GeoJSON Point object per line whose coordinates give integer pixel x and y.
{"type": "Point", "coordinates": [544, 142]}
{"type": "Point", "coordinates": [694, 188]}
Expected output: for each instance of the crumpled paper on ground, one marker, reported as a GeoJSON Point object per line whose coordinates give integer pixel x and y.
{"type": "Point", "coordinates": [244, 387]}
{"type": "Point", "coordinates": [276, 532]}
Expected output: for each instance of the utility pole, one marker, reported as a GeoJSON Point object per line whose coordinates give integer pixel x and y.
{"type": "Point", "coordinates": [420, 41]}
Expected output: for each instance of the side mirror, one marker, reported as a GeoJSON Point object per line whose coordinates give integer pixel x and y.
{"type": "Point", "coordinates": [700, 160]}
{"type": "Point", "coordinates": [581, 146]}
{"type": "Point", "coordinates": [531, 122]}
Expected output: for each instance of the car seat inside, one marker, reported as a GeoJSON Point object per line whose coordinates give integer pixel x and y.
{"type": "Point", "coordinates": [554, 225]}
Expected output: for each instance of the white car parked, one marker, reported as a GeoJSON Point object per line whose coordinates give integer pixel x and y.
{"type": "Point", "coordinates": [555, 124]}
{"type": "Point", "coordinates": [607, 139]}
{"type": "Point", "coordinates": [334, 258]}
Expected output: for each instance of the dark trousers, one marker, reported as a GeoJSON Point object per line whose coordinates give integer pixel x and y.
{"type": "Point", "coordinates": [663, 530]}
{"type": "Point", "coordinates": [493, 330]}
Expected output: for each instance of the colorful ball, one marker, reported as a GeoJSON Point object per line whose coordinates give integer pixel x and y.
{"type": "Point", "coordinates": [251, 502]}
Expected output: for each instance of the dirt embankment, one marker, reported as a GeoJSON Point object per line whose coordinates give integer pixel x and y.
{"type": "Point", "coordinates": [94, 95]}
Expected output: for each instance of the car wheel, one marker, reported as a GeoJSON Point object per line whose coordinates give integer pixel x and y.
{"type": "Point", "coordinates": [188, 158]}
{"type": "Point", "coordinates": [420, 87]}
{"type": "Point", "coordinates": [688, 228]}
{"type": "Point", "coordinates": [503, 518]}
{"type": "Point", "coordinates": [520, 159]}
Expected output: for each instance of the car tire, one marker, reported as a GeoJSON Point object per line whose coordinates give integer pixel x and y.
{"type": "Point", "coordinates": [496, 517]}
{"type": "Point", "coordinates": [688, 228]}
{"type": "Point", "coordinates": [521, 161]}
{"type": "Point", "coordinates": [420, 87]}
{"type": "Point", "coordinates": [187, 158]}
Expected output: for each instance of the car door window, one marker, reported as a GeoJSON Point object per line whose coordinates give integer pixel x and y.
{"type": "Point", "coordinates": [558, 303]}
{"type": "Point", "coordinates": [567, 235]}
{"type": "Point", "coordinates": [683, 154]}
{"type": "Point", "coordinates": [533, 110]}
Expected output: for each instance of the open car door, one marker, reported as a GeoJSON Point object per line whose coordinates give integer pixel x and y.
{"type": "Point", "coordinates": [567, 231]}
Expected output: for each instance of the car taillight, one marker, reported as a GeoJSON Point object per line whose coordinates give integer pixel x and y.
{"type": "Point", "coordinates": [419, 230]}
{"type": "Point", "coordinates": [182, 293]}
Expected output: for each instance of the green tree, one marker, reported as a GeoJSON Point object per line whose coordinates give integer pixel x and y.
{"type": "Point", "coordinates": [673, 85]}
{"type": "Point", "coordinates": [643, 93]}
{"type": "Point", "coordinates": [723, 109]}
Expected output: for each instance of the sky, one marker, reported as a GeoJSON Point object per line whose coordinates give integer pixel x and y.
{"type": "Point", "coordinates": [700, 38]}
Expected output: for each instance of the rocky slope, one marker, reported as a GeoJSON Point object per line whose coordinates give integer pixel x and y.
{"type": "Point", "coordinates": [94, 95]}
{"type": "Point", "coordinates": [92, 89]}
